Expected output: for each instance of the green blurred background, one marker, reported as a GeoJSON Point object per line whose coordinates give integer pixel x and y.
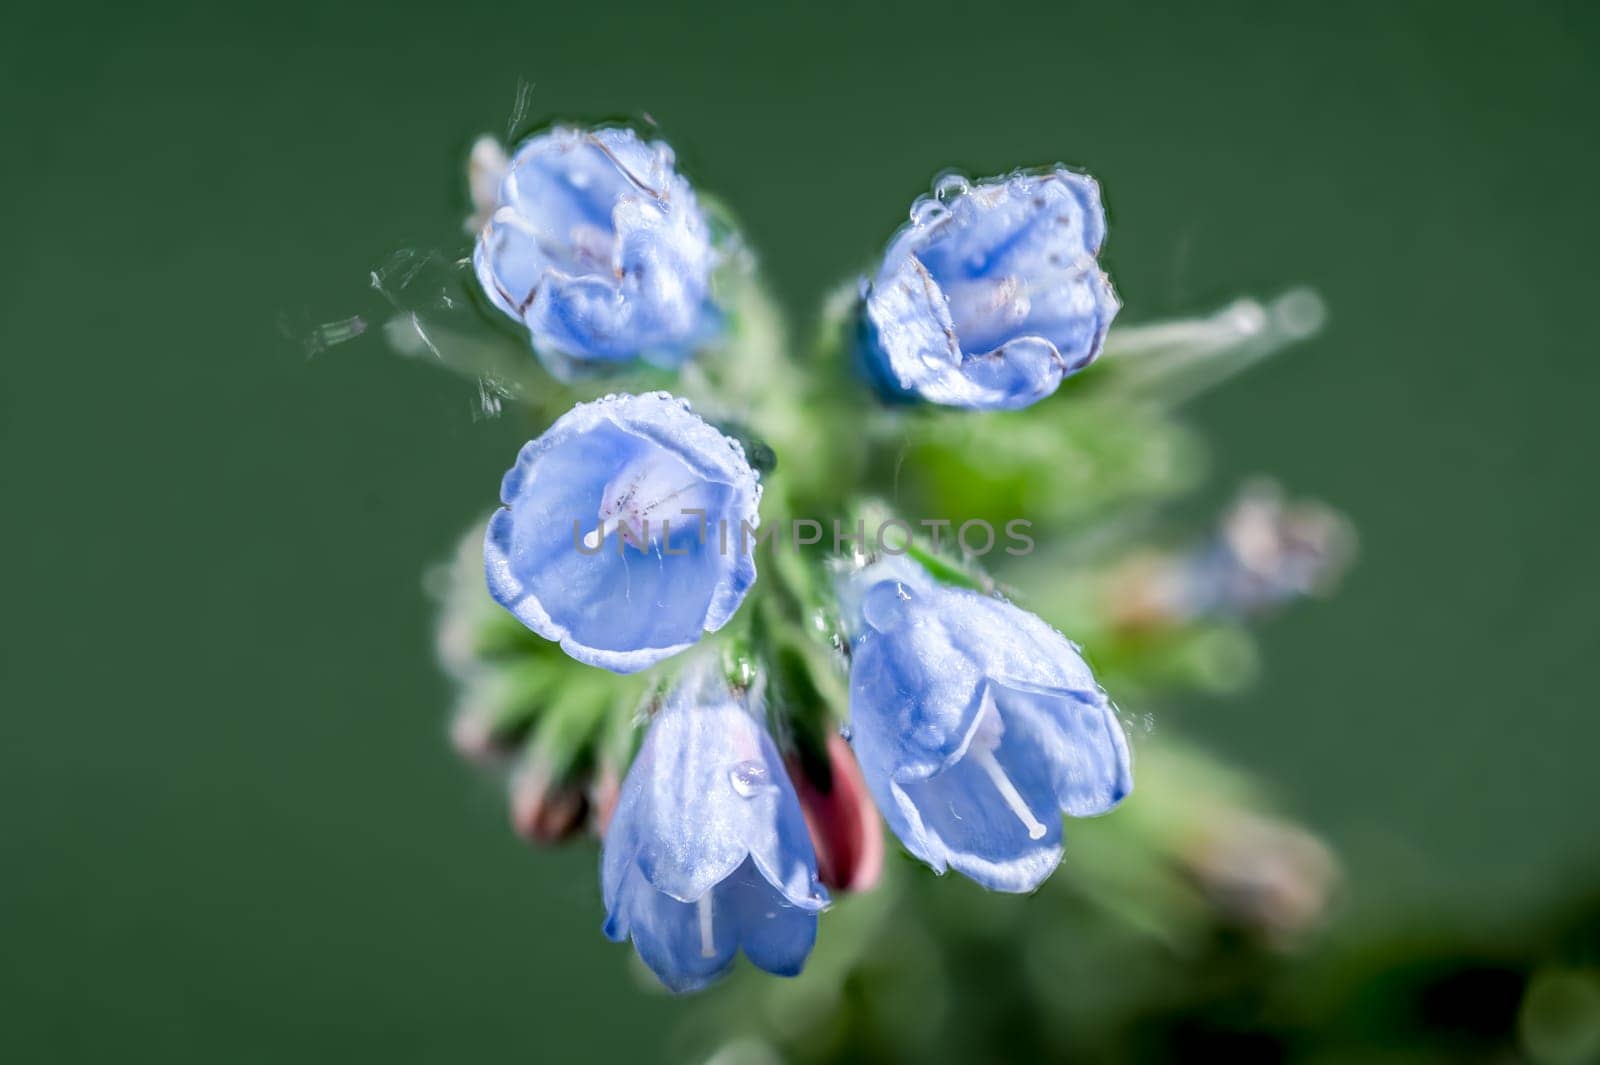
{"type": "Point", "coordinates": [230, 828]}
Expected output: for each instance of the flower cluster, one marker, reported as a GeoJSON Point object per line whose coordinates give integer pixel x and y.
{"type": "Point", "coordinates": [739, 743]}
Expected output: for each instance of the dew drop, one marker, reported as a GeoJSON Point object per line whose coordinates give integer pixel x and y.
{"type": "Point", "coordinates": [949, 186]}
{"type": "Point", "coordinates": [1299, 313]}
{"type": "Point", "coordinates": [926, 211]}
{"type": "Point", "coordinates": [749, 779]}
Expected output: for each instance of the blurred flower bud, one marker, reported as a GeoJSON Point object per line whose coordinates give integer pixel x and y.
{"type": "Point", "coordinates": [1268, 552]}
{"type": "Point", "coordinates": [473, 737]}
{"type": "Point", "coordinates": [499, 705]}
{"type": "Point", "coordinates": [1265, 553]}
{"type": "Point", "coordinates": [1263, 875]}
{"type": "Point", "coordinates": [545, 810]}
{"type": "Point", "coordinates": [844, 825]}
{"type": "Point", "coordinates": [603, 794]}
{"type": "Point", "coordinates": [1559, 1020]}
{"type": "Point", "coordinates": [486, 169]}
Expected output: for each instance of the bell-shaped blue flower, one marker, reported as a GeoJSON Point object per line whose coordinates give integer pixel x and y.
{"type": "Point", "coordinates": [621, 531]}
{"type": "Point", "coordinates": [707, 852]}
{"type": "Point", "coordinates": [977, 726]}
{"type": "Point", "coordinates": [992, 294]}
{"type": "Point", "coordinates": [600, 248]}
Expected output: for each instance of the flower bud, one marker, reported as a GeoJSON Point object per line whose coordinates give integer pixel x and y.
{"type": "Point", "coordinates": [1264, 554]}
{"type": "Point", "coordinates": [1263, 875]}
{"type": "Point", "coordinates": [844, 825]}
{"type": "Point", "coordinates": [543, 810]}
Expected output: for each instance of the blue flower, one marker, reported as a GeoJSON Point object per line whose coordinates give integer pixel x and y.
{"type": "Point", "coordinates": [620, 535]}
{"type": "Point", "coordinates": [600, 248]}
{"type": "Point", "coordinates": [708, 851]}
{"type": "Point", "coordinates": [976, 725]}
{"type": "Point", "coordinates": [991, 295]}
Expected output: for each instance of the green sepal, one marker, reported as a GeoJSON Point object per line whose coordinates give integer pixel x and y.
{"type": "Point", "coordinates": [563, 740]}
{"type": "Point", "coordinates": [509, 699]}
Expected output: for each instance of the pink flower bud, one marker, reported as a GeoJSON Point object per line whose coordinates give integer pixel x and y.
{"type": "Point", "coordinates": [546, 813]}
{"type": "Point", "coordinates": [844, 825]}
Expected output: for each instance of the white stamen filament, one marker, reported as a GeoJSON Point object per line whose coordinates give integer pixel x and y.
{"type": "Point", "coordinates": [708, 946]}
{"type": "Point", "coordinates": [1008, 791]}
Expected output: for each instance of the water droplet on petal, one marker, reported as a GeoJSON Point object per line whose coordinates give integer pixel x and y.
{"type": "Point", "coordinates": [1299, 313]}
{"type": "Point", "coordinates": [749, 778]}
{"type": "Point", "coordinates": [925, 211]}
{"type": "Point", "coordinates": [949, 186]}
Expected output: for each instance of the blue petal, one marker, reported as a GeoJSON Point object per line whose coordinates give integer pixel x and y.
{"type": "Point", "coordinates": [946, 643]}
{"type": "Point", "coordinates": [1079, 740]}
{"type": "Point", "coordinates": [689, 945]}
{"type": "Point", "coordinates": [699, 816]}
{"type": "Point", "coordinates": [964, 823]}
{"type": "Point", "coordinates": [707, 791]}
{"type": "Point", "coordinates": [670, 939]}
{"type": "Point", "coordinates": [776, 935]}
